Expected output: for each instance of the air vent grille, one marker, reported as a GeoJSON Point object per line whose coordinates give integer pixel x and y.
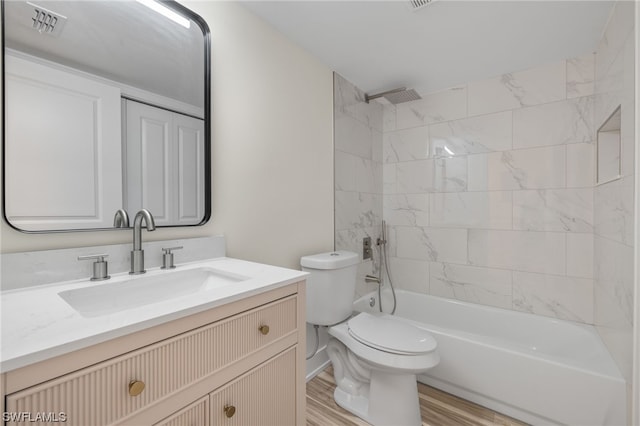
{"type": "Point", "coordinates": [45, 21]}
{"type": "Point", "coordinates": [419, 4]}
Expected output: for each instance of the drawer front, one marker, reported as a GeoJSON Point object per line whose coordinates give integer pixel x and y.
{"type": "Point", "coordinates": [196, 414]}
{"type": "Point", "coordinates": [264, 396]}
{"type": "Point", "coordinates": [100, 394]}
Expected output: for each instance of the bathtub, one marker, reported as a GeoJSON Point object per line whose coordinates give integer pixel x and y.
{"type": "Point", "coordinates": [536, 369]}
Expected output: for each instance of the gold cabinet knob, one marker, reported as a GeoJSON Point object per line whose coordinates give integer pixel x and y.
{"type": "Point", "coordinates": [136, 387]}
{"type": "Point", "coordinates": [229, 410]}
{"type": "Point", "coordinates": [264, 329]}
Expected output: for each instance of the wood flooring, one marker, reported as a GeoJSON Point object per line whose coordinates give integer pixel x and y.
{"type": "Point", "coordinates": [437, 408]}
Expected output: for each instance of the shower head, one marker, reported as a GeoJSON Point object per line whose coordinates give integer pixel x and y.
{"type": "Point", "coordinates": [395, 96]}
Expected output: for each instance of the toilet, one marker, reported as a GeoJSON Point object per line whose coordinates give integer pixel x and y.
{"type": "Point", "coordinates": [375, 357]}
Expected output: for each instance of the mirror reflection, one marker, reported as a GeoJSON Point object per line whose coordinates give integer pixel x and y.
{"type": "Point", "coordinates": [106, 109]}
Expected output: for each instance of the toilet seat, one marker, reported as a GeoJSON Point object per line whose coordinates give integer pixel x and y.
{"type": "Point", "coordinates": [384, 359]}
{"type": "Point", "coordinates": [390, 336]}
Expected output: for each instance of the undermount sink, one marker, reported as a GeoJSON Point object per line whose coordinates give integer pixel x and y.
{"type": "Point", "coordinates": [114, 297]}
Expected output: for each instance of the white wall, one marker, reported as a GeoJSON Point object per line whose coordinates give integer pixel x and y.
{"type": "Point", "coordinates": [272, 155]}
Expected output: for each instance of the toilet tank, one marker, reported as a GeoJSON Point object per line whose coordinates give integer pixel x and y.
{"type": "Point", "coordinates": [331, 286]}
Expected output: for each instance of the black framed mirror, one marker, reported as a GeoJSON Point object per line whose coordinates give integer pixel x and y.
{"type": "Point", "coordinates": [106, 108]}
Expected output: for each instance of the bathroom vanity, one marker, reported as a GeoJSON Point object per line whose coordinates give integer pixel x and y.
{"type": "Point", "coordinates": [230, 351]}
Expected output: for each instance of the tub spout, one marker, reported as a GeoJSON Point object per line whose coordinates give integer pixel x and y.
{"type": "Point", "coordinates": [372, 279]}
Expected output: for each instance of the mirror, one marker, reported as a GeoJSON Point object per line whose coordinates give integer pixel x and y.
{"type": "Point", "coordinates": [106, 107]}
{"type": "Point", "coordinates": [608, 156]}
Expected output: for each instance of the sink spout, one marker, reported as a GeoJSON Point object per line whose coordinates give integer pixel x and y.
{"type": "Point", "coordinates": [137, 254]}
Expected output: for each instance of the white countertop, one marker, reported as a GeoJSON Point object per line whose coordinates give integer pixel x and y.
{"type": "Point", "coordinates": [38, 324]}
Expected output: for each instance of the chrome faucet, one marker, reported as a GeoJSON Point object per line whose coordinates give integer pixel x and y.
{"type": "Point", "coordinates": [121, 219]}
{"type": "Point", "coordinates": [137, 254]}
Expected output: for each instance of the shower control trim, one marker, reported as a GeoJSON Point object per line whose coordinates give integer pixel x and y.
{"type": "Point", "coordinates": [367, 252]}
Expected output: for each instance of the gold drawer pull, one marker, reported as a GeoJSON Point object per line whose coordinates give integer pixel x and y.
{"type": "Point", "coordinates": [229, 410]}
{"type": "Point", "coordinates": [264, 329]}
{"type": "Point", "coordinates": [136, 387]}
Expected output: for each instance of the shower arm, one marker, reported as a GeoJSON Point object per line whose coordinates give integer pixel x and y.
{"type": "Point", "coordinates": [368, 98]}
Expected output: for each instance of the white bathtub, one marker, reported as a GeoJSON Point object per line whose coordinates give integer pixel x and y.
{"type": "Point", "coordinates": [536, 369]}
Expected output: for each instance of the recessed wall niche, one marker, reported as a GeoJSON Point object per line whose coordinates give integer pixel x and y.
{"type": "Point", "coordinates": [608, 149]}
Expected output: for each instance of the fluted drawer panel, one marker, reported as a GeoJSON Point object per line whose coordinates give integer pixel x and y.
{"type": "Point", "coordinates": [265, 396]}
{"type": "Point", "coordinates": [99, 395]}
{"type": "Point", "coordinates": [196, 414]}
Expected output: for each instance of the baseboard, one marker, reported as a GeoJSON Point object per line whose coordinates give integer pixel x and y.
{"type": "Point", "coordinates": [318, 363]}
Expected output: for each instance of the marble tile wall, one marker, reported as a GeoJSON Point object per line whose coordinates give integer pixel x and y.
{"type": "Point", "coordinates": [613, 215]}
{"type": "Point", "coordinates": [358, 175]}
{"type": "Point", "coordinates": [489, 191]}
{"type": "Point", "coordinates": [488, 188]}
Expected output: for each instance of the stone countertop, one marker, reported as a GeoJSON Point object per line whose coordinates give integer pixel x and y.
{"type": "Point", "coordinates": [38, 324]}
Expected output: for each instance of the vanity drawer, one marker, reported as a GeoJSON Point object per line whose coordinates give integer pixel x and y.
{"type": "Point", "coordinates": [196, 414]}
{"type": "Point", "coordinates": [264, 396]}
{"type": "Point", "coordinates": [102, 394]}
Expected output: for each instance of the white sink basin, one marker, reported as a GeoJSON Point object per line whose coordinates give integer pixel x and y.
{"type": "Point", "coordinates": [118, 296]}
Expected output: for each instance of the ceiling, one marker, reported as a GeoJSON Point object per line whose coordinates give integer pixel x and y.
{"type": "Point", "coordinates": [379, 45]}
{"type": "Point", "coordinates": [118, 40]}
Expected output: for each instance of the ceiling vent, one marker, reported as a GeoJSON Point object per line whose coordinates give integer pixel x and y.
{"type": "Point", "coordinates": [416, 5]}
{"type": "Point", "coordinates": [45, 21]}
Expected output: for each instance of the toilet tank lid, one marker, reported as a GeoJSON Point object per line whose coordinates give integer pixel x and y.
{"type": "Point", "coordinates": [330, 260]}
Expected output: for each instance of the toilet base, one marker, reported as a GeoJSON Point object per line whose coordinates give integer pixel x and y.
{"type": "Point", "coordinates": [393, 400]}
{"type": "Point", "coordinates": [358, 405]}
{"type": "Point", "coordinates": [377, 386]}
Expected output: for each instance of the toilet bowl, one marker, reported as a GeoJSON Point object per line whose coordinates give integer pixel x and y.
{"type": "Point", "coordinates": [375, 369]}
{"type": "Point", "coordinates": [375, 357]}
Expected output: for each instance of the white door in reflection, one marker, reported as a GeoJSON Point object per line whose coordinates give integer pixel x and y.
{"type": "Point", "coordinates": [164, 164]}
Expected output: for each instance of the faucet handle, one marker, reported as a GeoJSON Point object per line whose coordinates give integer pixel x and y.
{"type": "Point", "coordinates": [100, 266]}
{"type": "Point", "coordinates": [167, 257]}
